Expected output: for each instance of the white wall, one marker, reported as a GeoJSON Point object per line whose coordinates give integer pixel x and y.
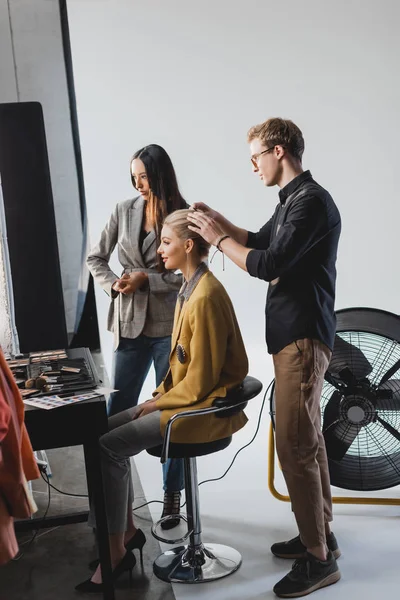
{"type": "Point", "coordinates": [32, 69]}
{"type": "Point", "coordinates": [8, 339]}
{"type": "Point", "coordinates": [195, 76]}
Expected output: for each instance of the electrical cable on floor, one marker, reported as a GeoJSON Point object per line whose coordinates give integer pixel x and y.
{"type": "Point", "coordinates": [66, 493]}
{"type": "Point", "coordinates": [40, 535]}
{"type": "Point", "coordinates": [147, 503]}
{"type": "Point", "coordinates": [42, 520]}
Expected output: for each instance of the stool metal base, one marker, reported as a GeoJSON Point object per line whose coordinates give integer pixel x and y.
{"type": "Point", "coordinates": [207, 562]}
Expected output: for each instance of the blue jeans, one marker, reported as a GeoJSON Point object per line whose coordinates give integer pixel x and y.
{"type": "Point", "coordinates": [132, 361]}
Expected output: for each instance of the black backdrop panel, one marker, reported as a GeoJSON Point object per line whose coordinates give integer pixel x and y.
{"type": "Point", "coordinates": [31, 228]}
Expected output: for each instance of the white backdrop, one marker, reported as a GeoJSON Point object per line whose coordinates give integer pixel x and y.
{"type": "Point", "coordinates": [194, 77]}
{"type": "Point", "coordinates": [32, 68]}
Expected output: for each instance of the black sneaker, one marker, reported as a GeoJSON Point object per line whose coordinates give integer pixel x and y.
{"type": "Point", "coordinates": [308, 574]}
{"type": "Point", "coordinates": [296, 549]}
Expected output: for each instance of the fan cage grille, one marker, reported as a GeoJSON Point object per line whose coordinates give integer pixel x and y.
{"type": "Point", "coordinates": [372, 460]}
{"type": "Point", "coordinates": [382, 354]}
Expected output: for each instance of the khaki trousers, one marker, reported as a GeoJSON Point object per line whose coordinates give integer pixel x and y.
{"type": "Point", "coordinates": [299, 374]}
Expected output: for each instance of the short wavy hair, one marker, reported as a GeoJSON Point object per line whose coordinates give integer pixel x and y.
{"type": "Point", "coordinates": [279, 132]}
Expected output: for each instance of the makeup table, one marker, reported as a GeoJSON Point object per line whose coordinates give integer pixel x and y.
{"type": "Point", "coordinates": [76, 424]}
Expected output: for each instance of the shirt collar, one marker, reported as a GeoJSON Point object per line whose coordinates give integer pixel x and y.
{"type": "Point", "coordinates": [289, 188]}
{"type": "Point", "coordinates": [188, 286]}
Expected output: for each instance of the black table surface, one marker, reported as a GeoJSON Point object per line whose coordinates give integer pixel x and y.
{"type": "Point", "coordinates": [65, 426]}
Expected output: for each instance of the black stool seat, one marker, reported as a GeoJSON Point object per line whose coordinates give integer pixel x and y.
{"type": "Point", "coordinates": [236, 400]}
{"type": "Point", "coordinates": [191, 450]}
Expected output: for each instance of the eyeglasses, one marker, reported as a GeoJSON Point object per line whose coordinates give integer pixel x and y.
{"type": "Point", "coordinates": [254, 158]}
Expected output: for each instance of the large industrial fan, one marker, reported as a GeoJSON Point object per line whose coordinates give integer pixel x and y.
{"type": "Point", "coordinates": [360, 402]}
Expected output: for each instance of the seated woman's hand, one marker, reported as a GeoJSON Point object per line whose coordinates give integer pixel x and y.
{"type": "Point", "coordinates": [145, 409]}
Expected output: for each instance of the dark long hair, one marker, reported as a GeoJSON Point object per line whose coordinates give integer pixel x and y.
{"type": "Point", "coordinates": [165, 197]}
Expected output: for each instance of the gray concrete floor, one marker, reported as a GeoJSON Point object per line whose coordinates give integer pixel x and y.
{"type": "Point", "coordinates": [57, 560]}
{"type": "Point", "coordinates": [50, 567]}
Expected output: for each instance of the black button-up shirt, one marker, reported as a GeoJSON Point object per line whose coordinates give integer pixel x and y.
{"type": "Point", "coordinates": [296, 252]}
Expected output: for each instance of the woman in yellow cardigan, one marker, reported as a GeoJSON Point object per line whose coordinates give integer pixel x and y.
{"type": "Point", "coordinates": [207, 360]}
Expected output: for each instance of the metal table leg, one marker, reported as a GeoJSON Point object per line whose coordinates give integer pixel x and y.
{"type": "Point", "coordinates": [95, 485]}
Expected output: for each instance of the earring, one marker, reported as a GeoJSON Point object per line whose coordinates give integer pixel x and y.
{"type": "Point", "coordinates": [187, 266]}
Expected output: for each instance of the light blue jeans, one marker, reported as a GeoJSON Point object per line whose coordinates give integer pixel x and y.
{"type": "Point", "coordinates": [132, 361]}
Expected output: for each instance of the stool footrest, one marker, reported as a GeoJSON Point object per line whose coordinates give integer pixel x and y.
{"type": "Point", "coordinates": [180, 540]}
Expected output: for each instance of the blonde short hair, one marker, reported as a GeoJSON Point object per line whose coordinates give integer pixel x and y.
{"type": "Point", "coordinates": [178, 221]}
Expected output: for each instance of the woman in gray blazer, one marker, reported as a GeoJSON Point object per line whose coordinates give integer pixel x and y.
{"type": "Point", "coordinates": [143, 298]}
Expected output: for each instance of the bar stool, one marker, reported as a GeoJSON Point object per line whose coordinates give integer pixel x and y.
{"type": "Point", "coordinates": [197, 562]}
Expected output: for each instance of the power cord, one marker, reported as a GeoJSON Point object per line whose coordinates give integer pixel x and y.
{"type": "Point", "coordinates": [243, 447]}
{"type": "Point", "coordinates": [248, 443]}
{"type": "Point", "coordinates": [64, 493]}
{"type": "Point", "coordinates": [147, 503]}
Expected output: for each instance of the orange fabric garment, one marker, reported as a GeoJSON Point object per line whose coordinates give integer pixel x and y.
{"type": "Point", "coordinates": [5, 414]}
{"type": "Point", "coordinates": [17, 463]}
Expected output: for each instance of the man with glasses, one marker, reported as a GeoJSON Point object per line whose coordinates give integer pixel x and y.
{"type": "Point", "coordinates": [295, 251]}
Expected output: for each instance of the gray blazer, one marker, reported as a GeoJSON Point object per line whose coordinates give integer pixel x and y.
{"type": "Point", "coordinates": [150, 310]}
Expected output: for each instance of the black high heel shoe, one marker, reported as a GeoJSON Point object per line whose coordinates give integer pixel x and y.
{"type": "Point", "coordinates": [126, 564]}
{"type": "Point", "coordinates": [172, 506]}
{"type": "Point", "coordinates": [137, 541]}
